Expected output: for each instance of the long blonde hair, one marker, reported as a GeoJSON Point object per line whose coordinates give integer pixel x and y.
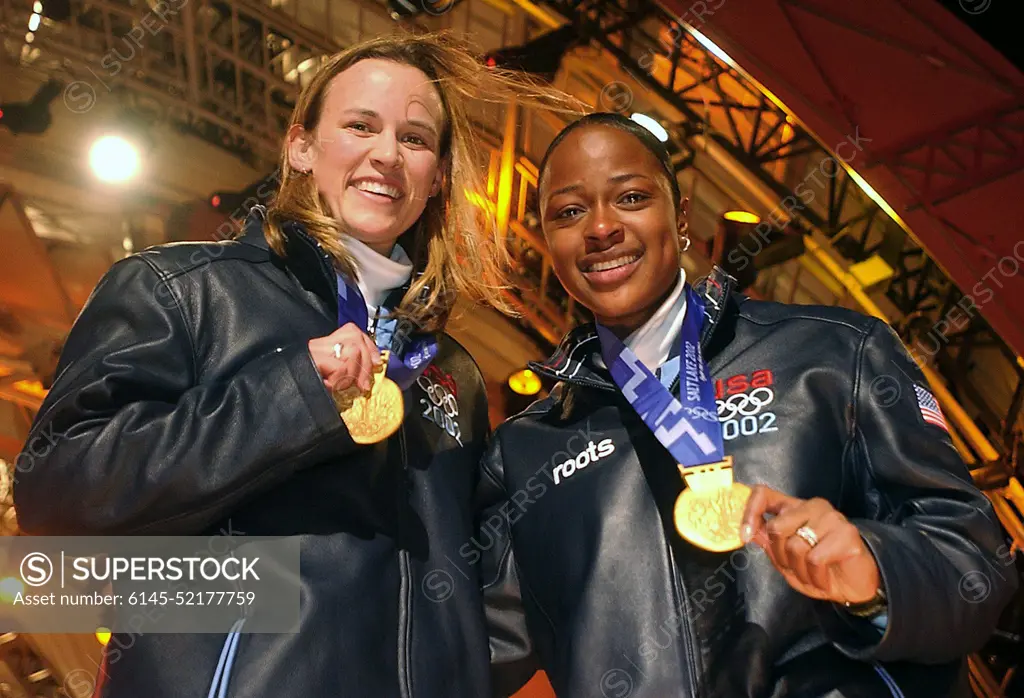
{"type": "Point", "coordinates": [455, 246]}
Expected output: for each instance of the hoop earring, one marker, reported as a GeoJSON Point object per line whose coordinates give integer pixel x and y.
{"type": "Point", "coordinates": [686, 243]}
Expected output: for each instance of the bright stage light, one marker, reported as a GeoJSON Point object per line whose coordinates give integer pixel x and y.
{"type": "Point", "coordinates": [651, 125]}
{"type": "Point", "coordinates": [113, 159]}
{"type": "Point", "coordinates": [525, 382]}
{"type": "Point", "coordinates": [741, 217]}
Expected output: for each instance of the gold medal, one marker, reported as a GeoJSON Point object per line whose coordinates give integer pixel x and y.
{"type": "Point", "coordinates": [709, 512]}
{"type": "Point", "coordinates": [375, 415]}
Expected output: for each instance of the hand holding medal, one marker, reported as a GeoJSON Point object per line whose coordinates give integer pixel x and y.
{"type": "Point", "coordinates": [353, 369]}
{"type": "Point", "coordinates": [346, 357]}
{"type": "Point", "coordinates": [818, 551]}
{"type": "Point", "coordinates": [375, 414]}
{"type": "Point", "coordinates": [367, 383]}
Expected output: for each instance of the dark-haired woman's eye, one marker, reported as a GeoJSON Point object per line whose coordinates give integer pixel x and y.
{"type": "Point", "coordinates": [634, 197]}
{"type": "Point", "coordinates": [359, 126]}
{"type": "Point", "coordinates": [568, 213]}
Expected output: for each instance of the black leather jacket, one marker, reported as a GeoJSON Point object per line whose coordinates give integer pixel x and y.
{"type": "Point", "coordinates": [587, 578]}
{"type": "Point", "coordinates": [187, 403]}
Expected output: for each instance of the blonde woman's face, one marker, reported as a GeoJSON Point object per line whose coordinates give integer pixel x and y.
{"type": "Point", "coordinates": [375, 153]}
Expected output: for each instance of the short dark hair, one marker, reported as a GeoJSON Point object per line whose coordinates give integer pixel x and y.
{"type": "Point", "coordinates": [642, 134]}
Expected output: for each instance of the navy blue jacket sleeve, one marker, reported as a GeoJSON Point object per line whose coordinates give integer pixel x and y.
{"type": "Point", "coordinates": [513, 662]}
{"type": "Point", "coordinates": [941, 552]}
{"type": "Point", "coordinates": [128, 440]}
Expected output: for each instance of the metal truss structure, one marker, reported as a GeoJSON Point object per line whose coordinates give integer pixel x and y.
{"type": "Point", "coordinates": [226, 71]}
{"type": "Point", "coordinates": [814, 190]}
{"type": "Point", "coordinates": [950, 163]}
{"type": "Point", "coordinates": [229, 73]}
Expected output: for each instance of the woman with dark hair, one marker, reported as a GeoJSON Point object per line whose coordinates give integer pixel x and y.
{"type": "Point", "coordinates": [689, 421]}
{"type": "Point", "coordinates": [297, 382]}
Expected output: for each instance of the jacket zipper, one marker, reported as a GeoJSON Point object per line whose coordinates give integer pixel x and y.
{"type": "Point", "coordinates": [691, 656]}
{"type": "Point", "coordinates": [405, 585]}
{"type": "Point", "coordinates": [692, 668]}
{"type": "Point", "coordinates": [405, 582]}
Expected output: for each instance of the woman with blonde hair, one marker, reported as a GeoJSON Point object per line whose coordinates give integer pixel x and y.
{"type": "Point", "coordinates": [297, 381]}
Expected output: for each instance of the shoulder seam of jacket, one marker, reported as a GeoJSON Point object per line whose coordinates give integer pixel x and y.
{"type": "Point", "coordinates": [500, 482]}
{"type": "Point", "coordinates": [447, 335]}
{"type": "Point", "coordinates": [548, 403]}
{"type": "Point", "coordinates": [856, 433]}
{"type": "Point", "coordinates": [854, 428]}
{"type": "Point", "coordinates": [858, 369]}
{"type": "Point", "coordinates": [497, 437]}
{"type": "Point", "coordinates": [858, 366]}
{"type": "Point", "coordinates": [163, 278]}
{"type": "Point", "coordinates": [828, 321]}
{"type": "Point", "coordinates": [181, 270]}
{"type": "Point", "coordinates": [485, 420]}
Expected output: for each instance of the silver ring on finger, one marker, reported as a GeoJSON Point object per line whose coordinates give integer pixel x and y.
{"type": "Point", "coordinates": [337, 351]}
{"type": "Point", "coordinates": [808, 535]}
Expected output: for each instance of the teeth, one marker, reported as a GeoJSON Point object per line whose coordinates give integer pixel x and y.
{"type": "Point", "coordinates": [379, 188]}
{"type": "Point", "coordinates": [614, 263]}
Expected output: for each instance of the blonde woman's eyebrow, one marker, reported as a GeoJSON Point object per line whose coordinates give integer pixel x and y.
{"type": "Point", "coordinates": [423, 125]}
{"type": "Point", "coordinates": [371, 114]}
{"type": "Point", "coordinates": [368, 113]}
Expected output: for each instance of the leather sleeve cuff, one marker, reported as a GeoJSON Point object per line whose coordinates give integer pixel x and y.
{"type": "Point", "coordinates": [313, 392]}
{"type": "Point", "coordinates": [859, 638]}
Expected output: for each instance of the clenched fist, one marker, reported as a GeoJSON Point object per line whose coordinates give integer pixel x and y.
{"type": "Point", "coordinates": [838, 567]}
{"type": "Point", "coordinates": [345, 357]}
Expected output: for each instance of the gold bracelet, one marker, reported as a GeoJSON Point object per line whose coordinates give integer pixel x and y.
{"type": "Point", "coordinates": [871, 607]}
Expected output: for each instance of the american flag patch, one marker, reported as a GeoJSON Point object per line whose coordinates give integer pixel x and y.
{"type": "Point", "coordinates": [930, 409]}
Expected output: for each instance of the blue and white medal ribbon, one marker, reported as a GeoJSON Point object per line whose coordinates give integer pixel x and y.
{"type": "Point", "coordinates": [687, 427]}
{"type": "Point", "coordinates": [406, 361]}
{"type": "Point", "coordinates": [709, 510]}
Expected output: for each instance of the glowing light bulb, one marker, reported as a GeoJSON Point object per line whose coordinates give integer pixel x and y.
{"type": "Point", "coordinates": [114, 159]}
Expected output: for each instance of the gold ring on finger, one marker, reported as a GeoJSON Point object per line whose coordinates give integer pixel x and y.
{"type": "Point", "coordinates": [808, 535]}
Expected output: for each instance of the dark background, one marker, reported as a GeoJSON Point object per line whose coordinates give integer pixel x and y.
{"type": "Point", "coordinates": [996, 24]}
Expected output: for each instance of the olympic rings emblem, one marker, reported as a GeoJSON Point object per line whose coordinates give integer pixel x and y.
{"type": "Point", "coordinates": [439, 395]}
{"type": "Point", "coordinates": [700, 413]}
{"type": "Point", "coordinates": [744, 404]}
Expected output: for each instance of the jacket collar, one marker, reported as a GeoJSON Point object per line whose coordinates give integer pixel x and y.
{"type": "Point", "coordinates": [252, 228]}
{"type": "Point", "coordinates": [578, 356]}
{"type": "Point", "coordinates": [304, 258]}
